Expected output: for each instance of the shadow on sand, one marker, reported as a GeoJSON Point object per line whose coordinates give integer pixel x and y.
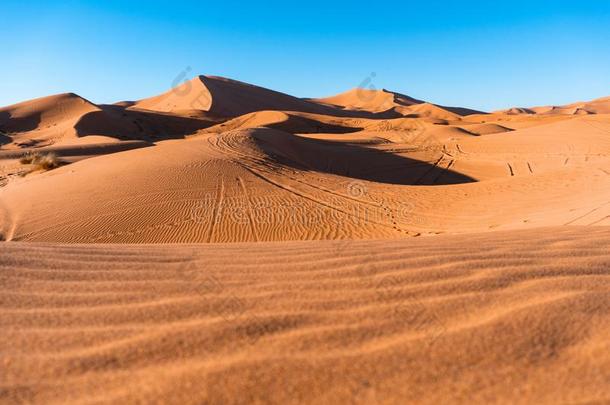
{"type": "Point", "coordinates": [124, 124]}
{"type": "Point", "coordinates": [353, 160]}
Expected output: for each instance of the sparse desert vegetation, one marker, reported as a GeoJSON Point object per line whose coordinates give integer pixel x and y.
{"type": "Point", "coordinates": [41, 161]}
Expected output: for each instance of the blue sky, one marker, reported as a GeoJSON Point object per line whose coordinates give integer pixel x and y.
{"type": "Point", "coordinates": [480, 54]}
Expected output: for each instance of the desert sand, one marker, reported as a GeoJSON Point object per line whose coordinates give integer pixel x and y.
{"type": "Point", "coordinates": [226, 243]}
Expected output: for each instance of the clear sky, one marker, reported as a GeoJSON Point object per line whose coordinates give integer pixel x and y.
{"type": "Point", "coordinates": [480, 54]}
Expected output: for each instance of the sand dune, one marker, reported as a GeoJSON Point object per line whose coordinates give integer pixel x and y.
{"type": "Point", "coordinates": [224, 97]}
{"type": "Point", "coordinates": [308, 176]}
{"type": "Point", "coordinates": [73, 128]}
{"type": "Point", "coordinates": [292, 122]}
{"type": "Point", "coordinates": [486, 129]}
{"type": "Point", "coordinates": [518, 317]}
{"type": "Point", "coordinates": [45, 120]}
{"type": "Point", "coordinates": [226, 243]}
{"type": "Point", "coordinates": [430, 111]}
{"type": "Point", "coordinates": [369, 100]}
{"type": "Point", "coordinates": [598, 106]}
{"type": "Point", "coordinates": [68, 119]}
{"type": "Point", "coordinates": [390, 104]}
{"type": "Point", "coordinates": [285, 187]}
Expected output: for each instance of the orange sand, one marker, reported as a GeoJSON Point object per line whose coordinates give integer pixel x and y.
{"type": "Point", "coordinates": [225, 243]}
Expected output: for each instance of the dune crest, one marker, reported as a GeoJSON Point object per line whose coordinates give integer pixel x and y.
{"type": "Point", "coordinates": [597, 106]}
{"type": "Point", "coordinates": [369, 100]}
{"type": "Point", "coordinates": [389, 104]}
{"type": "Point", "coordinates": [49, 118]}
{"type": "Point", "coordinates": [227, 98]}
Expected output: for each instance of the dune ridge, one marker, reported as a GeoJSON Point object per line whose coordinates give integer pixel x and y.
{"type": "Point", "coordinates": [228, 98]}
{"type": "Point", "coordinates": [390, 104]}
{"type": "Point", "coordinates": [69, 120]}
{"type": "Point", "coordinates": [597, 106]}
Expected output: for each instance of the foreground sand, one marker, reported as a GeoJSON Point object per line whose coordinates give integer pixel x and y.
{"type": "Point", "coordinates": [504, 317]}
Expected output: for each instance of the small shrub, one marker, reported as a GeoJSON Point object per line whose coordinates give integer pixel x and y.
{"type": "Point", "coordinates": [41, 161]}
{"type": "Point", "coordinates": [26, 159]}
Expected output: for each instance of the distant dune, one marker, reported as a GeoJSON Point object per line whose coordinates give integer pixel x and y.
{"type": "Point", "coordinates": [227, 98]}
{"type": "Point", "coordinates": [227, 243]}
{"type": "Point", "coordinates": [68, 119]}
{"type": "Point", "coordinates": [45, 120]}
{"type": "Point", "coordinates": [369, 100]}
{"type": "Point", "coordinates": [486, 129]}
{"type": "Point", "coordinates": [599, 106]}
{"type": "Point", "coordinates": [391, 104]}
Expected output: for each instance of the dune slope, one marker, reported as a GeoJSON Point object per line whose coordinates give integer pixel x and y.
{"type": "Point", "coordinates": [391, 104]}
{"type": "Point", "coordinates": [511, 317]}
{"type": "Point", "coordinates": [402, 178]}
{"type": "Point", "coordinates": [68, 119]}
{"type": "Point", "coordinates": [44, 121]}
{"type": "Point", "coordinates": [229, 98]}
{"type": "Point", "coordinates": [598, 106]}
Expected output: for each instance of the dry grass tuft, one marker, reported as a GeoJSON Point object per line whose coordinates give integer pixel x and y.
{"type": "Point", "coordinates": [41, 161]}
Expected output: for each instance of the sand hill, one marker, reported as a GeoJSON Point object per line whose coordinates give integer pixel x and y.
{"type": "Point", "coordinates": [224, 97]}
{"type": "Point", "coordinates": [68, 119]}
{"type": "Point", "coordinates": [369, 100]}
{"type": "Point", "coordinates": [226, 243]}
{"type": "Point", "coordinates": [598, 106]}
{"type": "Point", "coordinates": [390, 104]}
{"type": "Point", "coordinates": [46, 120]}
